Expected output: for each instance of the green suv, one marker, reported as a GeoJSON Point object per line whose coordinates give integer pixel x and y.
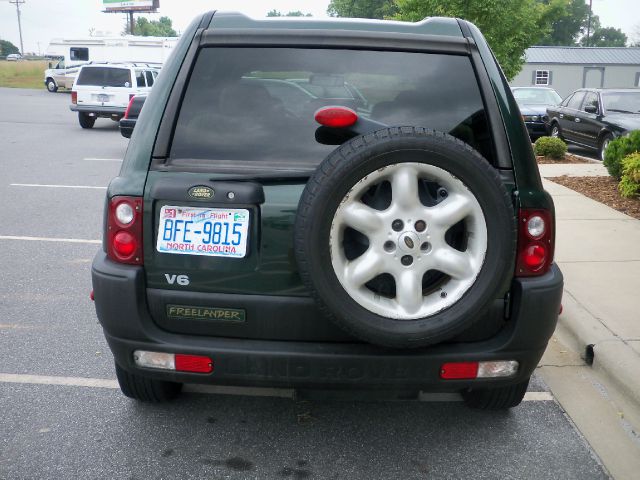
{"type": "Point", "coordinates": [334, 204]}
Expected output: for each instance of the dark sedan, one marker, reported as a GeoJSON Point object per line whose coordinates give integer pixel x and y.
{"type": "Point", "coordinates": [533, 103]}
{"type": "Point", "coordinates": [593, 117]}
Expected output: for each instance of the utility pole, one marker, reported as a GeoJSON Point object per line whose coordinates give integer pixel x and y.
{"type": "Point", "coordinates": [589, 24]}
{"type": "Point", "coordinates": [17, 3]}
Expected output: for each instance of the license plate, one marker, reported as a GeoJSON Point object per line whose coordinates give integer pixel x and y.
{"type": "Point", "coordinates": [103, 98]}
{"type": "Point", "coordinates": [212, 232]}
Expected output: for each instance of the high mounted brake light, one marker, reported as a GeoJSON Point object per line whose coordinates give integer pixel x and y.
{"type": "Point", "coordinates": [124, 230]}
{"type": "Point", "coordinates": [536, 239]}
{"type": "Point", "coordinates": [336, 117]}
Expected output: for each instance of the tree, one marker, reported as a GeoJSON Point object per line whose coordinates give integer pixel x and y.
{"type": "Point", "coordinates": [7, 48]}
{"type": "Point", "coordinates": [509, 26]}
{"type": "Point", "coordinates": [155, 28]}
{"type": "Point", "coordinates": [362, 8]}
{"type": "Point", "coordinates": [567, 19]}
{"type": "Point", "coordinates": [297, 13]}
{"type": "Point", "coordinates": [606, 37]}
{"type": "Point", "coordinates": [636, 36]}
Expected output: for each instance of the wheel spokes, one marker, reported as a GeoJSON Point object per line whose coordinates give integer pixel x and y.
{"type": "Point", "coordinates": [404, 187]}
{"type": "Point", "coordinates": [361, 217]}
{"type": "Point", "coordinates": [409, 291]}
{"type": "Point", "coordinates": [367, 266]}
{"type": "Point", "coordinates": [451, 210]}
{"type": "Point", "coordinates": [454, 263]}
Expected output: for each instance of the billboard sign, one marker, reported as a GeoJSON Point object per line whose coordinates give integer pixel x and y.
{"type": "Point", "coordinates": [129, 5]}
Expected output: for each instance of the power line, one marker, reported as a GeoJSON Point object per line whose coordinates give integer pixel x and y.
{"type": "Point", "coordinates": [17, 3]}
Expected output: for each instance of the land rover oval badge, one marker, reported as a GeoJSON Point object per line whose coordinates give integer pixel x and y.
{"type": "Point", "coordinates": [201, 192]}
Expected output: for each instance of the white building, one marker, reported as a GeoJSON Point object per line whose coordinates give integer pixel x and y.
{"type": "Point", "coordinates": [568, 68]}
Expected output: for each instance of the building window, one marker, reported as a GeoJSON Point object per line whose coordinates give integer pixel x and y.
{"type": "Point", "coordinates": [542, 77]}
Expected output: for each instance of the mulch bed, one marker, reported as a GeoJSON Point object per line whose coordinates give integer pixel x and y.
{"type": "Point", "coordinates": [568, 158]}
{"type": "Point", "coordinates": [603, 190]}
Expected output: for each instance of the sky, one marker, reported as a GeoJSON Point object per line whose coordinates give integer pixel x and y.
{"type": "Point", "coordinates": [43, 20]}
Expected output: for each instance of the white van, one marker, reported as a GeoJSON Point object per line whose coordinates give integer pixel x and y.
{"type": "Point", "coordinates": [68, 55]}
{"type": "Point", "coordinates": [104, 90]}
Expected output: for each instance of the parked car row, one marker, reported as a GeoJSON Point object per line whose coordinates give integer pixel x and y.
{"type": "Point", "coordinates": [592, 118]}
{"type": "Point", "coordinates": [589, 117]}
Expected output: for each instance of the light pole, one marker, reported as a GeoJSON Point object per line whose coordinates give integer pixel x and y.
{"type": "Point", "coordinates": [589, 24]}
{"type": "Point", "coordinates": [17, 3]}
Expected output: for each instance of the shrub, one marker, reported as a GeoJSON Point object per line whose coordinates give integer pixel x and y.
{"type": "Point", "coordinates": [550, 147]}
{"type": "Point", "coordinates": [618, 149]}
{"type": "Point", "coordinates": [630, 183]}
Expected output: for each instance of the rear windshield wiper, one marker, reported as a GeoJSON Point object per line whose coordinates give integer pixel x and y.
{"type": "Point", "coordinates": [620, 111]}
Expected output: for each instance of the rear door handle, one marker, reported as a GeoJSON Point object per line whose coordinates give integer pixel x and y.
{"type": "Point", "coordinates": [577, 120]}
{"type": "Point", "coordinates": [562, 115]}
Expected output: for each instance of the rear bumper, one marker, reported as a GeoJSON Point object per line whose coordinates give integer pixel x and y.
{"type": "Point", "coordinates": [98, 110]}
{"type": "Point", "coordinates": [537, 129]}
{"type": "Point", "coordinates": [126, 127]}
{"type": "Point", "coordinates": [120, 298]}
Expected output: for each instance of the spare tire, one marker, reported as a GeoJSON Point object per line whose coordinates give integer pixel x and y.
{"type": "Point", "coordinates": [404, 236]}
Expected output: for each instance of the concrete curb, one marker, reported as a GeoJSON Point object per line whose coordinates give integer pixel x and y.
{"type": "Point", "coordinates": [586, 159]}
{"type": "Point", "coordinates": [598, 345]}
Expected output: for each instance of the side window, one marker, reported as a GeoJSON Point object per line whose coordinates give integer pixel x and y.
{"type": "Point", "coordinates": [149, 76]}
{"type": "Point", "coordinates": [140, 78]}
{"type": "Point", "coordinates": [79, 54]}
{"type": "Point", "coordinates": [576, 101]}
{"type": "Point", "coordinates": [590, 99]}
{"type": "Point", "coordinates": [543, 77]}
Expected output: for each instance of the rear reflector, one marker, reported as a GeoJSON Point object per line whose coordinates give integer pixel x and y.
{"type": "Point", "coordinates": [471, 370]}
{"type": "Point", "coordinates": [451, 371]}
{"type": "Point", "coordinates": [193, 363]}
{"type": "Point", "coordinates": [336, 117]}
{"type": "Point", "coordinates": [169, 361]}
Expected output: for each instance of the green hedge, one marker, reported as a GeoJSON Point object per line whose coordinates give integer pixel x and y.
{"type": "Point", "coordinates": [629, 186]}
{"type": "Point", "coordinates": [619, 149]}
{"type": "Point", "coordinates": [550, 147]}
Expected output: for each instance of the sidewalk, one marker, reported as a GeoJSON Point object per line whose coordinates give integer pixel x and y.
{"type": "Point", "coordinates": [598, 250]}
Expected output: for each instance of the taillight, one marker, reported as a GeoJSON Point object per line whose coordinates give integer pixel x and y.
{"type": "Point", "coordinates": [536, 238]}
{"type": "Point", "coordinates": [124, 230]}
{"type": "Point", "coordinates": [74, 98]}
{"type": "Point", "coordinates": [336, 117]}
{"type": "Point", "coordinates": [126, 112]}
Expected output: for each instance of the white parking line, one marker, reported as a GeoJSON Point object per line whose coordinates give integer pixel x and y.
{"type": "Point", "coordinates": [220, 389]}
{"type": "Point", "coordinates": [49, 239]}
{"type": "Point", "coordinates": [55, 186]}
{"type": "Point", "coordinates": [102, 159]}
{"type": "Point", "coordinates": [537, 397]}
{"type": "Point", "coordinates": [456, 397]}
{"type": "Point", "coordinates": [64, 381]}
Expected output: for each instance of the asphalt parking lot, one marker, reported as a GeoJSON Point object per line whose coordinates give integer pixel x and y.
{"type": "Point", "coordinates": [63, 416]}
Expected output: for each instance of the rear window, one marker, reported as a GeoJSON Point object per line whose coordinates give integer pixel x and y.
{"type": "Point", "coordinates": [253, 108]}
{"type": "Point", "coordinates": [104, 77]}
